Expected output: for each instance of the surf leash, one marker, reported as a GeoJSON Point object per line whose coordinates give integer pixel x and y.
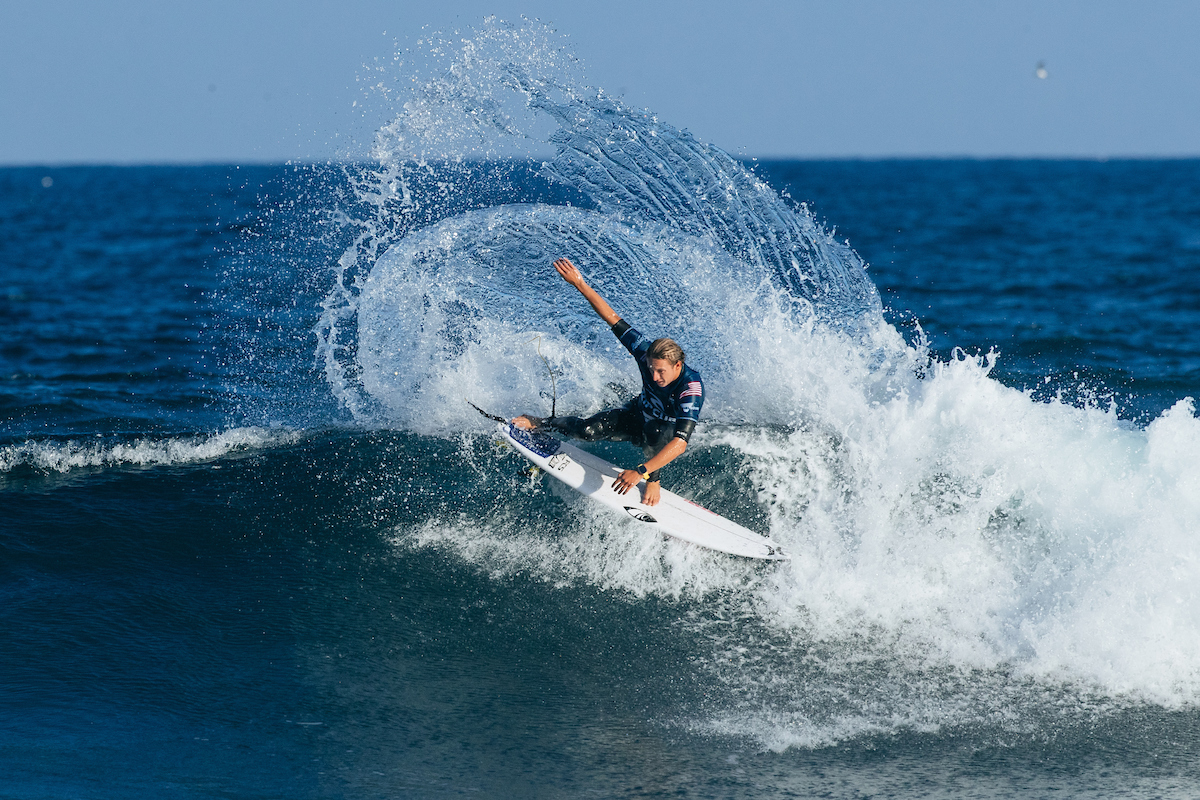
{"type": "Point", "coordinates": [553, 388]}
{"type": "Point", "coordinates": [553, 382]}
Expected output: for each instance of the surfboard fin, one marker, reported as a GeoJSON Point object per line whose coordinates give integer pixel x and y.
{"type": "Point", "coordinates": [492, 417]}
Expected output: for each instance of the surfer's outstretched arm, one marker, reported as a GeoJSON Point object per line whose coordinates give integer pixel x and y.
{"type": "Point", "coordinates": [571, 274]}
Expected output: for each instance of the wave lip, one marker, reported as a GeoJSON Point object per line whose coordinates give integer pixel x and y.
{"type": "Point", "coordinates": [65, 456]}
{"type": "Point", "coordinates": [674, 219]}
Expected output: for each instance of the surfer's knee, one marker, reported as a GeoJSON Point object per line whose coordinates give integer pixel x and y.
{"type": "Point", "coordinates": [592, 430]}
{"type": "Point", "coordinates": [574, 427]}
{"type": "Point", "coordinates": [605, 425]}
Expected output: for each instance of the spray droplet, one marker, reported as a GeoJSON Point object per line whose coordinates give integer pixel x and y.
{"type": "Point", "coordinates": [1041, 70]}
{"type": "Point", "coordinates": [47, 182]}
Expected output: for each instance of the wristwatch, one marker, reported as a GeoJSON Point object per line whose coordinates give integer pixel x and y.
{"type": "Point", "coordinates": [645, 473]}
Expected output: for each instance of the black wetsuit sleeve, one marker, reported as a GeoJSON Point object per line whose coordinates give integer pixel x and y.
{"type": "Point", "coordinates": [684, 428]}
{"type": "Point", "coordinates": [632, 339]}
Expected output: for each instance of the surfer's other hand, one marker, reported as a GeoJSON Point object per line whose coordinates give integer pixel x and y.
{"type": "Point", "coordinates": [570, 273]}
{"type": "Point", "coordinates": [524, 423]}
{"type": "Point", "coordinates": [652, 494]}
{"type": "Point", "coordinates": [626, 480]}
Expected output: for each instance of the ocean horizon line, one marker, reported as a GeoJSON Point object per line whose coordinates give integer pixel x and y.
{"type": "Point", "coordinates": [745, 158]}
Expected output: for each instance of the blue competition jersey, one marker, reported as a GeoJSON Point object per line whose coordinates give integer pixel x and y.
{"type": "Point", "coordinates": [677, 402]}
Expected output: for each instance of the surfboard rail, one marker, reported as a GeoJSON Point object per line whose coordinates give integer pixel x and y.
{"type": "Point", "coordinates": [674, 516]}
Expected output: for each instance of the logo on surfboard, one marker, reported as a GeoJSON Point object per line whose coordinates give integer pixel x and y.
{"type": "Point", "coordinates": [639, 515]}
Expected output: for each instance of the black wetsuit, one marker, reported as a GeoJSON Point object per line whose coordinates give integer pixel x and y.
{"type": "Point", "coordinates": [655, 417]}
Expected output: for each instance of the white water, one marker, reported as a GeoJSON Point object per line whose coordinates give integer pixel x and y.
{"type": "Point", "coordinates": [64, 456]}
{"type": "Point", "coordinates": [963, 555]}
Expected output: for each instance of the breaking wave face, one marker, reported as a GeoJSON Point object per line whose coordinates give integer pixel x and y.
{"type": "Point", "coordinates": [964, 557]}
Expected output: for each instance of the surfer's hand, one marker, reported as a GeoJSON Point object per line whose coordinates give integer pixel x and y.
{"type": "Point", "coordinates": [524, 423]}
{"type": "Point", "coordinates": [652, 494]}
{"type": "Point", "coordinates": [570, 273]}
{"type": "Point", "coordinates": [626, 480]}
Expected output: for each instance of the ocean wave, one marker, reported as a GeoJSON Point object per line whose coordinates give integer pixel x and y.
{"type": "Point", "coordinates": [962, 553]}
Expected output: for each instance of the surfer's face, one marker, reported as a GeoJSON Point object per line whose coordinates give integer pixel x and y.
{"type": "Point", "coordinates": [663, 372]}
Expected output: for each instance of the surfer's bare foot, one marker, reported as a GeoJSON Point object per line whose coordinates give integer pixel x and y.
{"type": "Point", "coordinates": [652, 494]}
{"type": "Point", "coordinates": [527, 423]}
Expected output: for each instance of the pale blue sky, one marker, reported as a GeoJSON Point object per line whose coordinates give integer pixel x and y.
{"type": "Point", "coordinates": [149, 81]}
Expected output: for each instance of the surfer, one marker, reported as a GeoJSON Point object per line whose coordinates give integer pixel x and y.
{"type": "Point", "coordinates": [660, 420]}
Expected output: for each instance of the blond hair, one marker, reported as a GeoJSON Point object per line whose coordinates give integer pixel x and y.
{"type": "Point", "coordinates": [666, 348]}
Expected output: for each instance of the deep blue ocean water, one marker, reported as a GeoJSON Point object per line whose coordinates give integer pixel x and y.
{"type": "Point", "coordinates": [252, 543]}
{"type": "Point", "coordinates": [221, 609]}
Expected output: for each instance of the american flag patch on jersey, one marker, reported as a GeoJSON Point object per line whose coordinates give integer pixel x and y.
{"type": "Point", "coordinates": [691, 390]}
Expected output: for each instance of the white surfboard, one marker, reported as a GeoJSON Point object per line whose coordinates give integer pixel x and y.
{"type": "Point", "coordinates": [674, 516]}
